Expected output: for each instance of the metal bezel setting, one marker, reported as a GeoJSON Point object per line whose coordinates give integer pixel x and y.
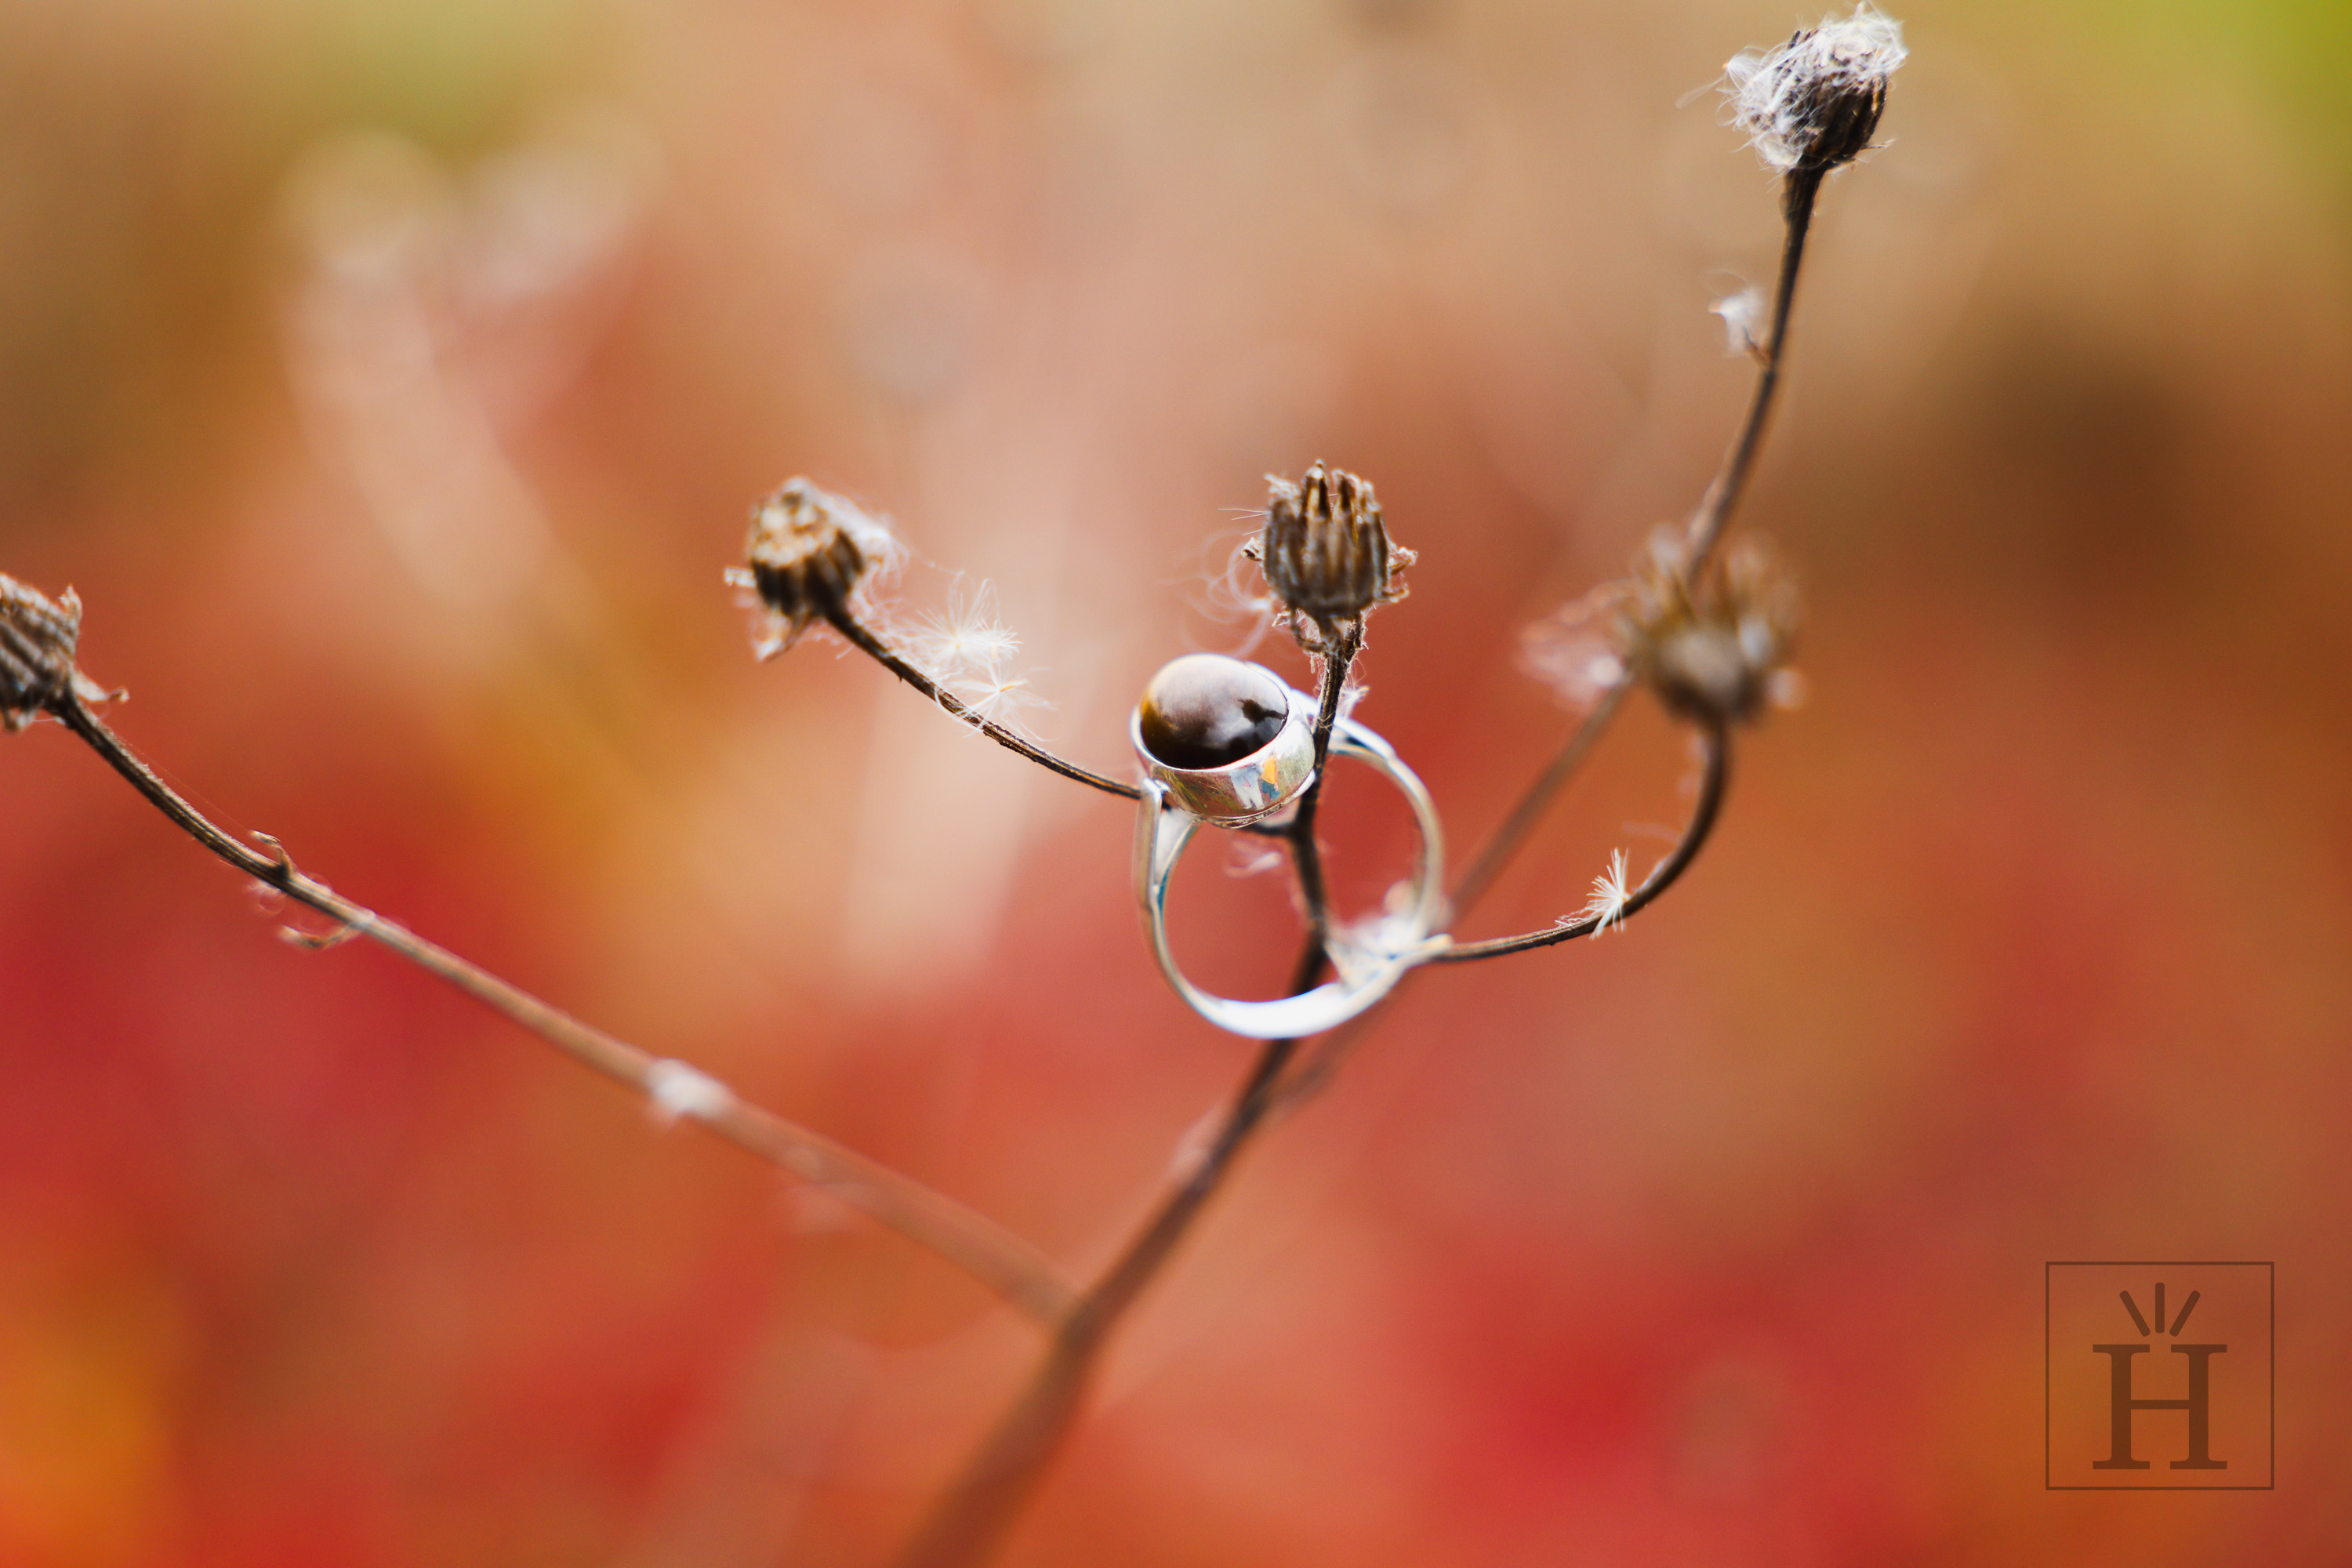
{"type": "Point", "coordinates": [1242, 791]}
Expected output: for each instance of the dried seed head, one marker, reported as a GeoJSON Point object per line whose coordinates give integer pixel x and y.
{"type": "Point", "coordinates": [38, 635]}
{"type": "Point", "coordinates": [1715, 654]}
{"type": "Point", "coordinates": [1812, 104]}
{"type": "Point", "coordinates": [1326, 553]}
{"type": "Point", "coordinates": [810, 551]}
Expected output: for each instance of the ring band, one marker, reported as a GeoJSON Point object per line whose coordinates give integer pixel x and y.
{"type": "Point", "coordinates": [1370, 960]}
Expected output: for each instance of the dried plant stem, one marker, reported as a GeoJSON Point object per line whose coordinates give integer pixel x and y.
{"type": "Point", "coordinates": [1708, 524]}
{"type": "Point", "coordinates": [972, 1517]}
{"type": "Point", "coordinates": [965, 1525]}
{"type": "Point", "coordinates": [970, 1241]}
{"type": "Point", "coordinates": [1306, 853]}
{"type": "Point", "coordinates": [863, 640]}
{"type": "Point", "coordinates": [1715, 742]}
{"type": "Point", "coordinates": [1798, 192]}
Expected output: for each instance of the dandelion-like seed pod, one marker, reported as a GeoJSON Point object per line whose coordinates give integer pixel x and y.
{"type": "Point", "coordinates": [809, 551]}
{"type": "Point", "coordinates": [1325, 551]}
{"type": "Point", "coordinates": [1716, 655]}
{"type": "Point", "coordinates": [37, 637]}
{"type": "Point", "coordinates": [1813, 104]}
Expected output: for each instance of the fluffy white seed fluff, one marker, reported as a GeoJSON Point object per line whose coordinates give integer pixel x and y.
{"type": "Point", "coordinates": [967, 641]}
{"type": "Point", "coordinates": [678, 1090]}
{"type": "Point", "coordinates": [968, 650]}
{"type": "Point", "coordinates": [1777, 95]}
{"type": "Point", "coordinates": [1610, 895]}
{"type": "Point", "coordinates": [1743, 320]}
{"type": "Point", "coordinates": [998, 697]}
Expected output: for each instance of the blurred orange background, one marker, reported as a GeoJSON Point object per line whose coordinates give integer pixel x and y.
{"type": "Point", "coordinates": [393, 377]}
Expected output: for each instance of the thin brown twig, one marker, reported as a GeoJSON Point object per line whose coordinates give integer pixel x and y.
{"type": "Point", "coordinates": [1714, 515]}
{"type": "Point", "coordinates": [980, 1505]}
{"type": "Point", "coordinates": [972, 1515]}
{"type": "Point", "coordinates": [1716, 744]}
{"type": "Point", "coordinates": [864, 640]}
{"type": "Point", "coordinates": [1306, 852]}
{"type": "Point", "coordinates": [969, 1241]}
{"type": "Point", "coordinates": [869, 642]}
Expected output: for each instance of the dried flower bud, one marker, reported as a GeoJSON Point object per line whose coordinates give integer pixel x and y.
{"type": "Point", "coordinates": [1716, 653]}
{"type": "Point", "coordinates": [1325, 551]}
{"type": "Point", "coordinates": [810, 551]}
{"type": "Point", "coordinates": [37, 650]}
{"type": "Point", "coordinates": [1812, 104]}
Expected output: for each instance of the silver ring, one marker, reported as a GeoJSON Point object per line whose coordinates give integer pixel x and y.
{"type": "Point", "coordinates": [1370, 960]}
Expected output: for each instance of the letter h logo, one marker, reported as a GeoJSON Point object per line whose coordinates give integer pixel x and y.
{"type": "Point", "coordinates": [2199, 1403]}
{"type": "Point", "coordinates": [2099, 1381]}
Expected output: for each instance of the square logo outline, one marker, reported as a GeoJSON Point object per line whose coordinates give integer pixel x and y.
{"type": "Point", "coordinates": [2271, 1277]}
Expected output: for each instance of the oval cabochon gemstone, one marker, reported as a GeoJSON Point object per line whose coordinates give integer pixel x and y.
{"type": "Point", "coordinates": [1204, 710]}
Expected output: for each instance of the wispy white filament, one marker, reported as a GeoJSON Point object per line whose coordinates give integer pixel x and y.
{"type": "Point", "coordinates": [967, 642]}
{"type": "Point", "coordinates": [1743, 320]}
{"type": "Point", "coordinates": [1777, 95]}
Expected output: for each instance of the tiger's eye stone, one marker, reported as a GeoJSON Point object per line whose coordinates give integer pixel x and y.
{"type": "Point", "coordinates": [1204, 710]}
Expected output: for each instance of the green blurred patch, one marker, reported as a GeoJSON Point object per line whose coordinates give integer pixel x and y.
{"type": "Point", "coordinates": [142, 150]}
{"type": "Point", "coordinates": [2294, 49]}
{"type": "Point", "coordinates": [2300, 45]}
{"type": "Point", "coordinates": [449, 73]}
